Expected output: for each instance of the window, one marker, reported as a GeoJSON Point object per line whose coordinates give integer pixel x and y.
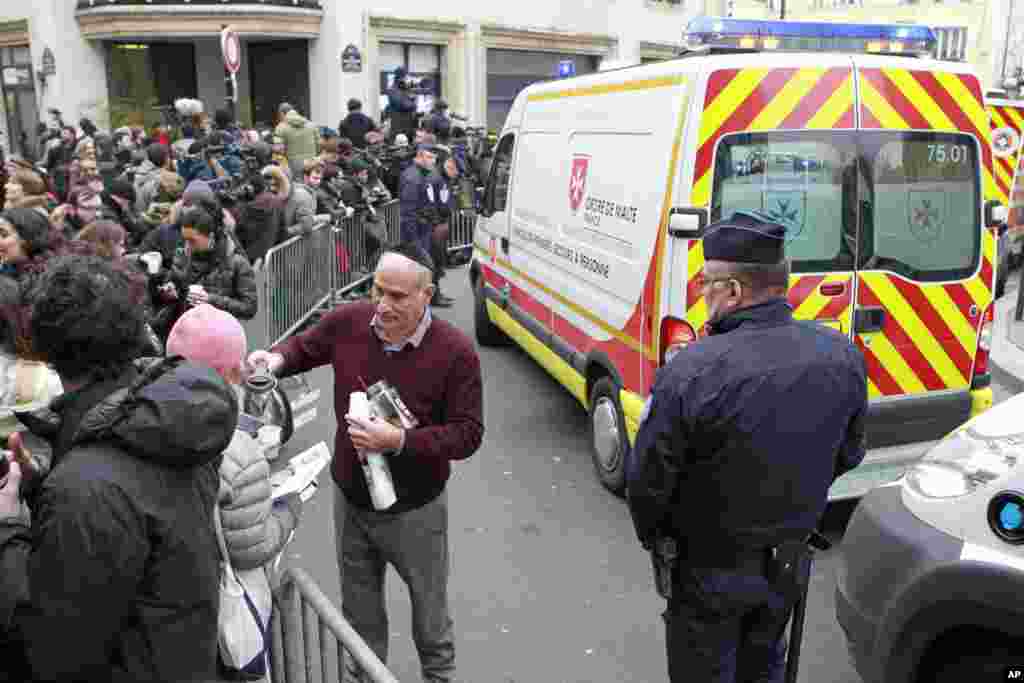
{"type": "Point", "coordinates": [501, 175]}
{"type": "Point", "coordinates": [422, 63]}
{"type": "Point", "coordinates": [925, 192]}
{"type": "Point", "coordinates": [804, 180]}
{"type": "Point", "coordinates": [141, 77]}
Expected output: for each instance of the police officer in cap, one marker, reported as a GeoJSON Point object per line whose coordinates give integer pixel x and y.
{"type": "Point", "coordinates": [743, 434]}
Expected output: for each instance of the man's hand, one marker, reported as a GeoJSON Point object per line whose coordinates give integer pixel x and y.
{"type": "Point", "coordinates": [373, 434]}
{"type": "Point", "coordinates": [10, 497]}
{"type": "Point", "coordinates": [168, 292]}
{"type": "Point", "coordinates": [273, 361]}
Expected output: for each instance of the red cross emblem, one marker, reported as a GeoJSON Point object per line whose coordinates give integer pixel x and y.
{"type": "Point", "coordinates": [578, 181]}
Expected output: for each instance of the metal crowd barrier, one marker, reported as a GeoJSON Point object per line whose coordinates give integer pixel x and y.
{"type": "Point", "coordinates": [310, 640]}
{"type": "Point", "coordinates": [308, 273]}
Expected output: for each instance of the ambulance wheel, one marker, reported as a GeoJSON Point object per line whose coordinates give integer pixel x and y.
{"type": "Point", "coordinates": [964, 661]}
{"type": "Point", "coordinates": [487, 333]}
{"type": "Point", "coordinates": [608, 430]}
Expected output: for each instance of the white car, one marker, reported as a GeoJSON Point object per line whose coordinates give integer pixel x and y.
{"type": "Point", "coordinates": [930, 577]}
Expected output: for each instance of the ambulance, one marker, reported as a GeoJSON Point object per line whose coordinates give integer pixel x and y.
{"type": "Point", "coordinates": [588, 253]}
{"type": "Point", "coordinates": [1006, 117]}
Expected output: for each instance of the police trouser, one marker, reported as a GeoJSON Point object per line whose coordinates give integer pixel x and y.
{"type": "Point", "coordinates": [726, 625]}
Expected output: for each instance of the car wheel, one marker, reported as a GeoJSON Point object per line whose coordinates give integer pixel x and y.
{"type": "Point", "coordinates": [610, 445]}
{"type": "Point", "coordinates": [970, 661]}
{"type": "Point", "coordinates": [487, 333]}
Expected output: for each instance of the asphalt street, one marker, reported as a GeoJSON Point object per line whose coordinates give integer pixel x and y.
{"type": "Point", "coordinates": [548, 583]}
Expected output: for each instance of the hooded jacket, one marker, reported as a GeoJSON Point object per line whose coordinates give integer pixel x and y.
{"type": "Point", "coordinates": [147, 184]}
{"type": "Point", "coordinates": [261, 224]}
{"type": "Point", "coordinates": [301, 140]}
{"type": "Point", "coordinates": [118, 578]}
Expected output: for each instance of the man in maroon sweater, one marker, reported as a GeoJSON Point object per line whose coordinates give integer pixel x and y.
{"type": "Point", "coordinates": [436, 371]}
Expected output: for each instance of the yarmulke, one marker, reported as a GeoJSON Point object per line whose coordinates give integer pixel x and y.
{"type": "Point", "coordinates": [746, 237]}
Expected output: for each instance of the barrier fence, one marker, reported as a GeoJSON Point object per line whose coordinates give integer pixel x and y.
{"type": "Point", "coordinates": [310, 641]}
{"type": "Point", "coordinates": [306, 274]}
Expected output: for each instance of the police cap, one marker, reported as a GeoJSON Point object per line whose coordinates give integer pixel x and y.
{"type": "Point", "coordinates": [746, 237]}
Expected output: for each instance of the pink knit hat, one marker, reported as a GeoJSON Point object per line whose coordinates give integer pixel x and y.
{"type": "Point", "coordinates": [210, 336]}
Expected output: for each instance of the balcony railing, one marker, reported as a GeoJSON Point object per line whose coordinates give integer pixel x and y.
{"type": "Point", "coordinates": [305, 4]}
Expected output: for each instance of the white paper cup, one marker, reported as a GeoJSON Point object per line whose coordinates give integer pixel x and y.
{"type": "Point", "coordinates": [153, 261]}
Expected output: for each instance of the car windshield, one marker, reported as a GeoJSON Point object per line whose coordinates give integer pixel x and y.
{"type": "Point", "coordinates": [907, 202]}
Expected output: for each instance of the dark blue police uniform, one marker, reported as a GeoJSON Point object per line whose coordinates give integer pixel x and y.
{"type": "Point", "coordinates": [418, 190]}
{"type": "Point", "coordinates": [744, 433]}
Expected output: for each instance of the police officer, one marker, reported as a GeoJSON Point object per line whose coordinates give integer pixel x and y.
{"type": "Point", "coordinates": [744, 432]}
{"type": "Point", "coordinates": [422, 207]}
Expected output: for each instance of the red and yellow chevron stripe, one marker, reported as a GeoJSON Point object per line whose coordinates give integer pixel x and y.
{"type": "Point", "coordinates": [930, 333]}
{"type": "Point", "coordinates": [928, 100]}
{"type": "Point", "coordinates": [1005, 116]}
{"type": "Point", "coordinates": [768, 99]}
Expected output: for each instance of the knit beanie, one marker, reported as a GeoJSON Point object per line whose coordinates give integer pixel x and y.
{"type": "Point", "coordinates": [196, 190]}
{"type": "Point", "coordinates": [210, 336]}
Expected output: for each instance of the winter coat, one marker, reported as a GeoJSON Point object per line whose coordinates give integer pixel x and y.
{"type": "Point", "coordinates": [225, 274]}
{"type": "Point", "coordinates": [301, 140]}
{"type": "Point", "coordinates": [355, 126]}
{"type": "Point", "coordinates": [255, 531]}
{"type": "Point", "coordinates": [117, 579]}
{"type": "Point", "coordinates": [299, 210]}
{"type": "Point", "coordinates": [147, 184]}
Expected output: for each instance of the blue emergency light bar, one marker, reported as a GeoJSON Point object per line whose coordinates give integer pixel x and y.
{"type": "Point", "coordinates": [709, 33]}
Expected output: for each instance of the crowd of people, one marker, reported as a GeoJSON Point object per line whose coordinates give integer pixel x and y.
{"type": "Point", "coordinates": [127, 263]}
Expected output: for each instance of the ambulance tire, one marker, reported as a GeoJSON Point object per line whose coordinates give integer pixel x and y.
{"type": "Point", "coordinates": [609, 440]}
{"type": "Point", "coordinates": [487, 333]}
{"type": "Point", "coordinates": [965, 662]}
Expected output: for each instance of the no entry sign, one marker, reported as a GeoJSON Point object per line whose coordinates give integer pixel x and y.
{"type": "Point", "coordinates": [231, 49]}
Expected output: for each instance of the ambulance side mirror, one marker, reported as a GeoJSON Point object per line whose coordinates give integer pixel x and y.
{"type": "Point", "coordinates": [687, 222]}
{"type": "Point", "coordinates": [995, 213]}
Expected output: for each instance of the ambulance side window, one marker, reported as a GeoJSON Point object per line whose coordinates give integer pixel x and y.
{"type": "Point", "coordinates": [501, 174]}
{"type": "Point", "coordinates": [803, 179]}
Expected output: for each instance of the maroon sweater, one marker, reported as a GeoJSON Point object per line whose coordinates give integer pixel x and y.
{"type": "Point", "coordinates": [439, 382]}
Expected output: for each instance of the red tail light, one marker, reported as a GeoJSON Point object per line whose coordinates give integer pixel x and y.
{"type": "Point", "coordinates": [984, 342]}
{"type": "Point", "coordinates": [675, 335]}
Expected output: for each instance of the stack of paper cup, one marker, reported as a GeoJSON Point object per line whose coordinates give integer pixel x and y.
{"type": "Point", "coordinates": [269, 437]}
{"type": "Point", "coordinates": [375, 468]}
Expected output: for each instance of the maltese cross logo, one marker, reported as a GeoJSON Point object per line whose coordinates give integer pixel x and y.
{"type": "Point", "coordinates": [578, 181]}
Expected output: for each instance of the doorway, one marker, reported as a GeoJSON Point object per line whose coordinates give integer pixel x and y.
{"type": "Point", "coordinates": [278, 72]}
{"type": "Point", "coordinates": [19, 101]}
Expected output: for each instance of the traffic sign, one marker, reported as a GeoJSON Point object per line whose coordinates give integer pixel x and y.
{"type": "Point", "coordinates": [566, 68]}
{"type": "Point", "coordinates": [231, 49]}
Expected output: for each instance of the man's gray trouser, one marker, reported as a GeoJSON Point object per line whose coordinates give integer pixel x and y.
{"type": "Point", "coordinates": [415, 543]}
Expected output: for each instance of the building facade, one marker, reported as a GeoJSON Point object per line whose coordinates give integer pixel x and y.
{"type": "Point", "coordinates": [118, 61]}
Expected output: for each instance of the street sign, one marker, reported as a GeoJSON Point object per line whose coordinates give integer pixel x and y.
{"type": "Point", "coordinates": [351, 60]}
{"type": "Point", "coordinates": [231, 49]}
{"type": "Point", "coordinates": [566, 68]}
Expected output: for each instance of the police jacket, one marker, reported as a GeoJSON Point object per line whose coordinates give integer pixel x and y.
{"type": "Point", "coordinates": [417, 191]}
{"type": "Point", "coordinates": [745, 432]}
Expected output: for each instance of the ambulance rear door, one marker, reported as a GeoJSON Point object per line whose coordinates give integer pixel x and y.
{"type": "Point", "coordinates": [925, 264]}
{"type": "Point", "coordinates": [777, 135]}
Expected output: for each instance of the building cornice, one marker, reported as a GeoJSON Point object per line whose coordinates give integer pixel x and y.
{"type": "Point", "coordinates": [430, 24]}
{"type": "Point", "coordinates": [530, 38]}
{"type": "Point", "coordinates": [144, 22]}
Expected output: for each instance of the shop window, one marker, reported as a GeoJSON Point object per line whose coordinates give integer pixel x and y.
{"type": "Point", "coordinates": [143, 77]}
{"type": "Point", "coordinates": [423, 66]}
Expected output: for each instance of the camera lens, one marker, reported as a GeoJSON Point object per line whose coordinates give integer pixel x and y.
{"type": "Point", "coordinates": [1006, 517]}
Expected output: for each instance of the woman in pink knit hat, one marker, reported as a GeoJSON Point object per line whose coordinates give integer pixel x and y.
{"type": "Point", "coordinates": [255, 529]}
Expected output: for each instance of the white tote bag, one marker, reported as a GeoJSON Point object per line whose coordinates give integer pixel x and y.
{"type": "Point", "coordinates": [244, 620]}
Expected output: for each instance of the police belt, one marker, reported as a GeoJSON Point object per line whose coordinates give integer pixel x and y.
{"type": "Point", "coordinates": [719, 557]}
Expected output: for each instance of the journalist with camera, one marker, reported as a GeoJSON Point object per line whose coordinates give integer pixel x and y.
{"type": "Point", "coordinates": [743, 435]}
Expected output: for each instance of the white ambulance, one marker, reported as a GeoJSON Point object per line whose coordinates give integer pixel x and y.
{"type": "Point", "coordinates": [588, 250]}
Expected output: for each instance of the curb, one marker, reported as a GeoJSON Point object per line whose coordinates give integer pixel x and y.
{"type": "Point", "coordinates": [1006, 378]}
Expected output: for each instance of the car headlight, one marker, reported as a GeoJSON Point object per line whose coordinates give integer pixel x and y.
{"type": "Point", "coordinates": [966, 460]}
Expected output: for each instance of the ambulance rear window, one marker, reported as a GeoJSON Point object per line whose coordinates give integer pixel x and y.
{"type": "Point", "coordinates": [924, 194]}
{"type": "Point", "coordinates": [802, 178]}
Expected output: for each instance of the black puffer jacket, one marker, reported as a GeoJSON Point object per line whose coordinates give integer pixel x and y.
{"type": "Point", "coordinates": [117, 580]}
{"type": "Point", "coordinates": [226, 275]}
